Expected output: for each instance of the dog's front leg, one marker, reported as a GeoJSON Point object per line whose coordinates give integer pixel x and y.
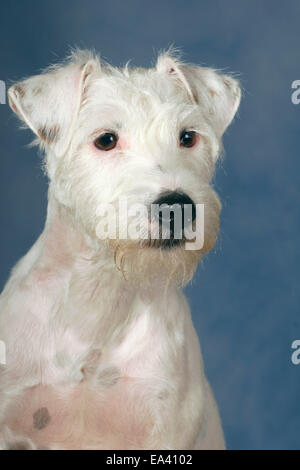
{"type": "Point", "coordinates": [162, 352]}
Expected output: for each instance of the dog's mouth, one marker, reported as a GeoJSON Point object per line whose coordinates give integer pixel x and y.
{"type": "Point", "coordinates": [172, 211]}
{"type": "Point", "coordinates": [164, 244]}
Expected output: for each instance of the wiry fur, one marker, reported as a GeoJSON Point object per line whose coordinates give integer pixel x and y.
{"type": "Point", "coordinates": [98, 334]}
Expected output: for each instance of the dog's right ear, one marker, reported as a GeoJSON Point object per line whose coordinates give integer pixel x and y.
{"type": "Point", "coordinates": [49, 103]}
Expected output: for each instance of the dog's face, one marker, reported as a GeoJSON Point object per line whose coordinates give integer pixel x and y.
{"type": "Point", "coordinates": [124, 139]}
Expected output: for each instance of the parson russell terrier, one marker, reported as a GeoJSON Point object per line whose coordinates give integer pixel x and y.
{"type": "Point", "coordinates": [101, 352]}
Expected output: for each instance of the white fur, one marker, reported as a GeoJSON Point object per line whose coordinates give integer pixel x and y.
{"type": "Point", "coordinates": [99, 332]}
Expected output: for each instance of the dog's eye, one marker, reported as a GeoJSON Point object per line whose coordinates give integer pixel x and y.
{"type": "Point", "coordinates": [187, 138]}
{"type": "Point", "coordinates": [106, 141]}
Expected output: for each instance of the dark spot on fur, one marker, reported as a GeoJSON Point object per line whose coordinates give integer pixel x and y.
{"type": "Point", "coordinates": [163, 394]}
{"type": "Point", "coordinates": [20, 90]}
{"type": "Point", "coordinates": [227, 83]}
{"type": "Point", "coordinates": [41, 418]}
{"type": "Point", "coordinates": [19, 445]}
{"type": "Point", "coordinates": [37, 90]}
{"type": "Point", "coordinates": [108, 377]}
{"type": "Point", "coordinates": [213, 93]}
{"type": "Point", "coordinates": [42, 132]}
{"type": "Point", "coordinates": [49, 135]}
{"type": "Point", "coordinates": [53, 133]}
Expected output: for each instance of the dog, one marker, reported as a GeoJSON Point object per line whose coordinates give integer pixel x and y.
{"type": "Point", "coordinates": [101, 352]}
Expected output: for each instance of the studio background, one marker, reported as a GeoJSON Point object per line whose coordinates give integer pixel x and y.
{"type": "Point", "coordinates": [245, 297]}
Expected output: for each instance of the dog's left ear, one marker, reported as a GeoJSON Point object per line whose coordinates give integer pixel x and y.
{"type": "Point", "coordinates": [49, 103]}
{"type": "Point", "coordinates": [219, 94]}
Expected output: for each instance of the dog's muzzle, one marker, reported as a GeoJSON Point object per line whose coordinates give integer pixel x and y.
{"type": "Point", "coordinates": [172, 211]}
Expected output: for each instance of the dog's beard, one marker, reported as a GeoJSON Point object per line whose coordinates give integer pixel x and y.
{"type": "Point", "coordinates": [149, 261]}
{"type": "Point", "coordinates": [165, 260]}
{"type": "Point", "coordinates": [146, 263]}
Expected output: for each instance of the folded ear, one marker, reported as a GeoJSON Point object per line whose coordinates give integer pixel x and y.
{"type": "Point", "coordinates": [49, 103]}
{"type": "Point", "coordinates": [218, 94]}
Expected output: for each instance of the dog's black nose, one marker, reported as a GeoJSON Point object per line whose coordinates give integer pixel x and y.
{"type": "Point", "coordinates": [171, 198]}
{"type": "Point", "coordinates": [174, 204]}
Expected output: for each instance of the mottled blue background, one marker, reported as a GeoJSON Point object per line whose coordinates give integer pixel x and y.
{"type": "Point", "coordinates": [245, 298]}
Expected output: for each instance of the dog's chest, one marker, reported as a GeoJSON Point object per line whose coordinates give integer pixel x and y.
{"type": "Point", "coordinates": [84, 416]}
{"type": "Point", "coordinates": [110, 403]}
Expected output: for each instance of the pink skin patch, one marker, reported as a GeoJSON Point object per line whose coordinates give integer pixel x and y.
{"type": "Point", "coordinates": [83, 417]}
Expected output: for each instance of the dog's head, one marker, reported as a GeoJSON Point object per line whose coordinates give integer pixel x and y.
{"type": "Point", "coordinates": [121, 142]}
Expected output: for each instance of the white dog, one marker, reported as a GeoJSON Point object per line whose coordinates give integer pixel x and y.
{"type": "Point", "coordinates": [101, 350]}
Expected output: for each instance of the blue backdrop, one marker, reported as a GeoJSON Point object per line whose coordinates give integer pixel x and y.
{"type": "Point", "coordinates": [245, 297]}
